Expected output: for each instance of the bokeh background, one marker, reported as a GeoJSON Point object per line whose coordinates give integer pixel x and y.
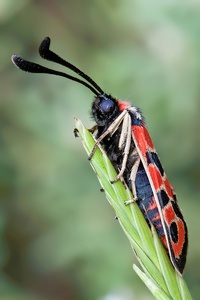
{"type": "Point", "coordinates": [58, 236]}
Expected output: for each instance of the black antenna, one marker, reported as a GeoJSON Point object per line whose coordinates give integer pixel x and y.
{"type": "Point", "coordinates": [46, 53]}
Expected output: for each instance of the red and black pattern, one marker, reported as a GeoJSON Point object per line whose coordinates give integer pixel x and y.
{"type": "Point", "coordinates": [155, 195]}
{"type": "Point", "coordinates": [162, 210]}
{"type": "Point", "coordinates": [122, 133]}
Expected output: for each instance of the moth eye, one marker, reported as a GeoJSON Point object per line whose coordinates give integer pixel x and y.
{"type": "Point", "coordinates": [107, 106]}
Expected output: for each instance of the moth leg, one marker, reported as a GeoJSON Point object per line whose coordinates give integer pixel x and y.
{"type": "Point", "coordinates": [125, 137]}
{"type": "Point", "coordinates": [132, 178]}
{"type": "Point", "coordinates": [75, 132]}
{"type": "Point", "coordinates": [111, 129]}
{"type": "Point", "coordinates": [93, 129]}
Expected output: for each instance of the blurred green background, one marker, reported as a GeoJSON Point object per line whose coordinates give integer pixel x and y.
{"type": "Point", "coordinates": [58, 236]}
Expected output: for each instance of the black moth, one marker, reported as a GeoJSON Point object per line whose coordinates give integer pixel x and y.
{"type": "Point", "coordinates": [122, 133]}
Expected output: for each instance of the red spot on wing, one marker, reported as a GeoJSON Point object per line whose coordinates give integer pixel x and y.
{"type": "Point", "coordinates": [143, 139]}
{"type": "Point", "coordinates": [178, 247]}
{"type": "Point", "coordinates": [169, 188]}
{"type": "Point", "coordinates": [155, 176]}
{"type": "Point", "coordinates": [170, 216]}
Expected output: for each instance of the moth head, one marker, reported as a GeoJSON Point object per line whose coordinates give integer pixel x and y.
{"type": "Point", "coordinates": [104, 109]}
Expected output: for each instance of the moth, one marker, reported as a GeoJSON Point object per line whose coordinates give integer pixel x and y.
{"type": "Point", "coordinates": [122, 133]}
